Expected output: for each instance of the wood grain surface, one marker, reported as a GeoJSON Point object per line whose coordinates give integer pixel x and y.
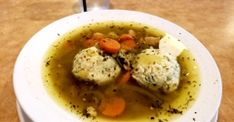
{"type": "Point", "coordinates": [211, 21]}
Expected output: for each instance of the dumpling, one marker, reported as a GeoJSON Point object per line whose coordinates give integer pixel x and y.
{"type": "Point", "coordinates": [155, 70]}
{"type": "Point", "coordinates": [93, 65]}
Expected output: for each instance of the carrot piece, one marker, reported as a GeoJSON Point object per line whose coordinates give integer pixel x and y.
{"type": "Point", "coordinates": [112, 106]}
{"type": "Point", "coordinates": [109, 45]}
{"type": "Point", "coordinates": [98, 36]}
{"type": "Point", "coordinates": [89, 42]}
{"type": "Point", "coordinates": [124, 78]}
{"type": "Point", "coordinates": [124, 37]}
{"type": "Point", "coordinates": [128, 44]}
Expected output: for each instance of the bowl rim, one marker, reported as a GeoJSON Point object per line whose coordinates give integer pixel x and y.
{"type": "Point", "coordinates": [29, 103]}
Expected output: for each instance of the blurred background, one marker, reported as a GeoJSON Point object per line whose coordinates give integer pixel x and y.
{"type": "Point", "coordinates": [211, 21]}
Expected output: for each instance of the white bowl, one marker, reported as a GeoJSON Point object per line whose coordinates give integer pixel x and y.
{"type": "Point", "coordinates": [35, 101]}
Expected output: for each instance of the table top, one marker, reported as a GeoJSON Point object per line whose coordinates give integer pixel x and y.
{"type": "Point", "coordinates": [211, 21]}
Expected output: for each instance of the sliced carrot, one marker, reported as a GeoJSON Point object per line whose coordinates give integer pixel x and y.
{"type": "Point", "coordinates": [128, 44]}
{"type": "Point", "coordinates": [89, 42]}
{"type": "Point", "coordinates": [98, 36]}
{"type": "Point", "coordinates": [125, 37]}
{"type": "Point", "coordinates": [124, 78]}
{"type": "Point", "coordinates": [112, 106]}
{"type": "Point", "coordinates": [109, 45]}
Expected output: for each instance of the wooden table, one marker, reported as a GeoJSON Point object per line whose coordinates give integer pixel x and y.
{"type": "Point", "coordinates": [211, 21]}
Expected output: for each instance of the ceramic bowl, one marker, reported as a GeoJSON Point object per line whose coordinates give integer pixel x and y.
{"type": "Point", "coordinates": [39, 106]}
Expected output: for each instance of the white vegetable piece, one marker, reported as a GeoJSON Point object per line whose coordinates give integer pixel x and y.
{"type": "Point", "coordinates": [171, 45]}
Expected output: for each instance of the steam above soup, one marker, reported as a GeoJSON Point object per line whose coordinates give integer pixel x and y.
{"type": "Point", "coordinates": [121, 71]}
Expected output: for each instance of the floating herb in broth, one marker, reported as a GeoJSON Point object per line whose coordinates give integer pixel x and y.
{"type": "Point", "coordinates": [141, 105]}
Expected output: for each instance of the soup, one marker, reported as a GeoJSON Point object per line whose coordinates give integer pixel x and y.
{"type": "Point", "coordinates": [126, 93]}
